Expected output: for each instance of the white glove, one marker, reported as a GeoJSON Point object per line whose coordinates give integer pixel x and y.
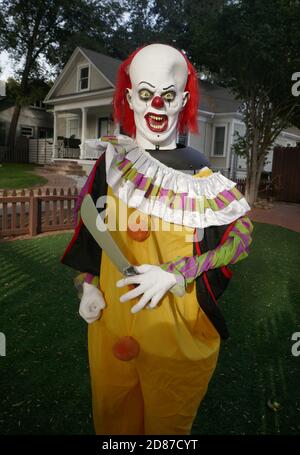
{"type": "Point", "coordinates": [153, 284]}
{"type": "Point", "coordinates": [91, 304]}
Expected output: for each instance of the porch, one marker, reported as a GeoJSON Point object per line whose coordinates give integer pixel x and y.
{"type": "Point", "coordinates": [73, 125]}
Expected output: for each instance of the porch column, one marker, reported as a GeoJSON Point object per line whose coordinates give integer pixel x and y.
{"type": "Point", "coordinates": [83, 131]}
{"type": "Point", "coordinates": [55, 148]}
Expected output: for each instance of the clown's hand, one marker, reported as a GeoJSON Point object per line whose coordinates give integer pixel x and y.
{"type": "Point", "coordinates": [91, 304]}
{"type": "Point", "coordinates": [152, 283]}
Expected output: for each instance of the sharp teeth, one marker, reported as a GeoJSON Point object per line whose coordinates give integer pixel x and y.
{"type": "Point", "coordinates": [155, 117]}
{"type": "Point", "coordinates": [156, 127]}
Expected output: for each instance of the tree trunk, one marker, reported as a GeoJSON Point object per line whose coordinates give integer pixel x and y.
{"type": "Point", "coordinates": [251, 188]}
{"type": "Point", "coordinates": [253, 180]}
{"type": "Point", "coordinates": [12, 131]}
{"type": "Point", "coordinates": [23, 90]}
{"type": "Point", "coordinates": [253, 176]}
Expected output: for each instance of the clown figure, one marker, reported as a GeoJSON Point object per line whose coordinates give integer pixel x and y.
{"type": "Point", "coordinates": [154, 337]}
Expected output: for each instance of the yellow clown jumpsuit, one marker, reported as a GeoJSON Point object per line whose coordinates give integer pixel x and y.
{"type": "Point", "coordinates": [160, 390]}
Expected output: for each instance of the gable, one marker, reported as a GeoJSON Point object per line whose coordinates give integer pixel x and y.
{"type": "Point", "coordinates": [67, 84]}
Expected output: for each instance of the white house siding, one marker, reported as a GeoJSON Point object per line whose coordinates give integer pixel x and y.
{"type": "Point", "coordinates": [235, 160]}
{"type": "Point", "coordinates": [196, 141]}
{"type": "Point", "coordinates": [202, 140]}
{"type": "Point", "coordinates": [29, 117]}
{"type": "Point", "coordinates": [207, 133]}
{"type": "Point", "coordinates": [69, 83]}
{"type": "Point", "coordinates": [62, 125]}
{"type": "Point", "coordinates": [221, 162]}
{"type": "Point", "coordinates": [96, 81]}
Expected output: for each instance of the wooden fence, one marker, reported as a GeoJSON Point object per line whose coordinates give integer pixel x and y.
{"type": "Point", "coordinates": [266, 187]}
{"type": "Point", "coordinates": [33, 213]}
{"type": "Point", "coordinates": [20, 153]}
{"type": "Point", "coordinates": [285, 172]}
{"type": "Point", "coordinates": [241, 185]}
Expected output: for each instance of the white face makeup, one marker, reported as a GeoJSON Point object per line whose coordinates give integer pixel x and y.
{"type": "Point", "coordinates": [158, 75]}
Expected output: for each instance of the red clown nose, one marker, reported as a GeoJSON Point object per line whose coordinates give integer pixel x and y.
{"type": "Point", "coordinates": [157, 102]}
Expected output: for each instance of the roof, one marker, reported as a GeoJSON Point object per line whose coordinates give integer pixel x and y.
{"type": "Point", "coordinates": [5, 103]}
{"type": "Point", "coordinates": [292, 130]}
{"type": "Point", "coordinates": [217, 99]}
{"type": "Point", "coordinates": [106, 64]}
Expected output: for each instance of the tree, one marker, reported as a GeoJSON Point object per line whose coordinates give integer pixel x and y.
{"type": "Point", "coordinates": [253, 47]}
{"type": "Point", "coordinates": [37, 90]}
{"type": "Point", "coordinates": [34, 32]}
{"type": "Point", "coordinates": [136, 29]}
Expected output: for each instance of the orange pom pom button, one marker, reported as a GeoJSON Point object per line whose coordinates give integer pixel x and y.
{"type": "Point", "coordinates": [139, 230]}
{"type": "Point", "coordinates": [126, 348]}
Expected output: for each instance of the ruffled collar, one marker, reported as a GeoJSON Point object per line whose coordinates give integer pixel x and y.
{"type": "Point", "coordinates": [144, 183]}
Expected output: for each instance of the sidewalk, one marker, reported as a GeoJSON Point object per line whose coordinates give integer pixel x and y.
{"type": "Point", "coordinates": [59, 181]}
{"type": "Point", "coordinates": [56, 180]}
{"type": "Point", "coordinates": [284, 214]}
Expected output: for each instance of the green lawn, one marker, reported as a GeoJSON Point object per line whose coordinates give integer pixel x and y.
{"type": "Point", "coordinates": [44, 379]}
{"type": "Point", "coordinates": [14, 176]}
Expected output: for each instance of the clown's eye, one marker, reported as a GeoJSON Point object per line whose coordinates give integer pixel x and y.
{"type": "Point", "coordinates": [169, 96]}
{"type": "Point", "coordinates": [145, 94]}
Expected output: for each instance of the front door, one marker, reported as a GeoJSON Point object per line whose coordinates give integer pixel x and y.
{"type": "Point", "coordinates": [105, 126]}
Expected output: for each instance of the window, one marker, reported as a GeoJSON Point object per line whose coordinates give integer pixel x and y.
{"type": "Point", "coordinates": [83, 78]}
{"type": "Point", "coordinates": [2, 133]}
{"type": "Point", "coordinates": [27, 131]}
{"type": "Point", "coordinates": [219, 141]}
{"type": "Point", "coordinates": [45, 133]}
{"type": "Point", "coordinates": [182, 139]}
{"type": "Point", "coordinates": [73, 127]}
{"type": "Point", "coordinates": [38, 104]}
{"type": "Point", "coordinates": [105, 127]}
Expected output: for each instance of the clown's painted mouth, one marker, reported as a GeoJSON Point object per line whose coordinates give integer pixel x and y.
{"type": "Point", "coordinates": [157, 123]}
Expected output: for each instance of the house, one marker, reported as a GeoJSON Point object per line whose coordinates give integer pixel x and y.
{"type": "Point", "coordinates": [81, 100]}
{"type": "Point", "coordinates": [34, 122]}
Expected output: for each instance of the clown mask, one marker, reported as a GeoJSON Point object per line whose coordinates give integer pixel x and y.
{"type": "Point", "coordinates": [158, 75]}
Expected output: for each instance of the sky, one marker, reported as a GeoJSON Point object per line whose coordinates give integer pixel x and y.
{"type": "Point", "coordinates": [6, 67]}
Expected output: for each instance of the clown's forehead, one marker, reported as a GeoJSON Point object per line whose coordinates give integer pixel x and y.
{"type": "Point", "coordinates": [159, 65]}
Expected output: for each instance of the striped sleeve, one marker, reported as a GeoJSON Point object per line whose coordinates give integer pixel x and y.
{"type": "Point", "coordinates": [84, 278]}
{"type": "Point", "coordinates": [232, 251]}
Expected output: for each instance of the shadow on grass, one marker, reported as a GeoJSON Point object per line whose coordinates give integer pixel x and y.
{"type": "Point", "coordinates": [256, 365]}
{"type": "Point", "coordinates": [44, 379]}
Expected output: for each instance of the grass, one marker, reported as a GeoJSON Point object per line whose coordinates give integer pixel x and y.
{"type": "Point", "coordinates": [15, 175]}
{"type": "Point", "coordinates": [44, 379]}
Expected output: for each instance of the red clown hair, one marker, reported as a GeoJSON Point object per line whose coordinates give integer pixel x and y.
{"type": "Point", "coordinates": [187, 120]}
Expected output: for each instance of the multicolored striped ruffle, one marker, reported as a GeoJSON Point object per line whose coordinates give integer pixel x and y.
{"type": "Point", "coordinates": [174, 199]}
{"type": "Point", "coordinates": [85, 278]}
{"type": "Point", "coordinates": [144, 183]}
{"type": "Point", "coordinates": [233, 250]}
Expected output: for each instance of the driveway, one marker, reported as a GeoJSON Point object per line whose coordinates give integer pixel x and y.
{"type": "Point", "coordinates": [284, 214]}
